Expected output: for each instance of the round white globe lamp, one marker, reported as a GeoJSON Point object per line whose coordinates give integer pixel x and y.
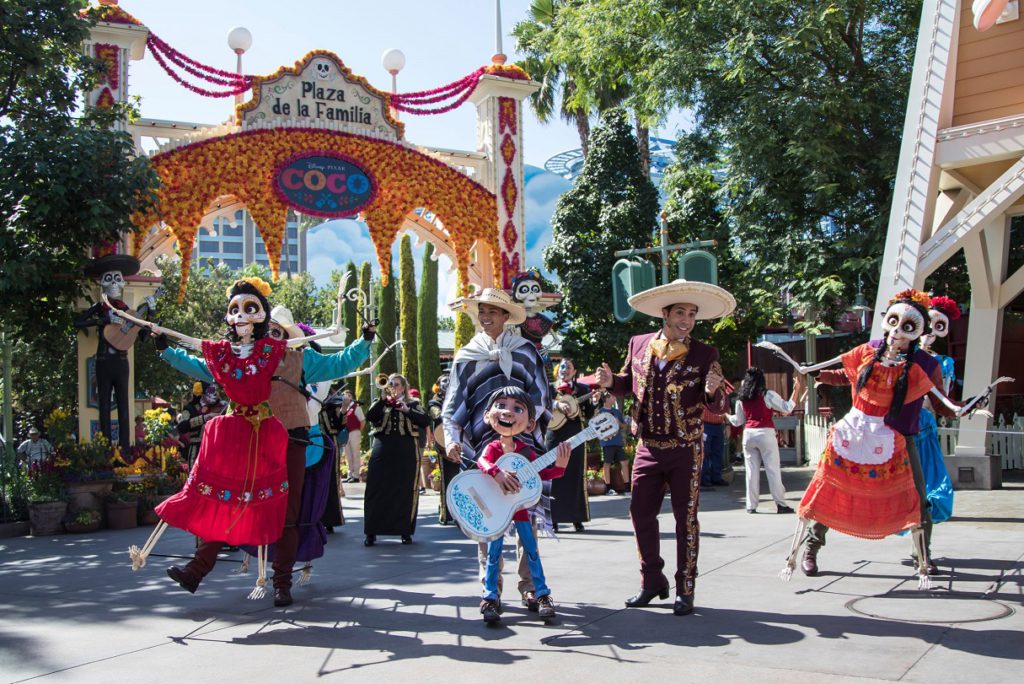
{"type": "Point", "coordinates": [239, 39]}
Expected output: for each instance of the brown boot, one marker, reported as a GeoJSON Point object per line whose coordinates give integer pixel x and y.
{"type": "Point", "coordinates": [491, 610]}
{"type": "Point", "coordinates": [809, 563]}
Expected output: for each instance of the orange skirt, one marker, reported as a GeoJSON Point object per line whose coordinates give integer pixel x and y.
{"type": "Point", "coordinates": [858, 493]}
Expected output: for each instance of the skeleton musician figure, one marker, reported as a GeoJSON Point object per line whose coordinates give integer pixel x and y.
{"type": "Point", "coordinates": [246, 485]}
{"type": "Point", "coordinates": [869, 483]}
{"type": "Point", "coordinates": [116, 337]}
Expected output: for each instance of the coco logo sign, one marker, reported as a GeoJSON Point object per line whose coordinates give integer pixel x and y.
{"type": "Point", "coordinates": [324, 184]}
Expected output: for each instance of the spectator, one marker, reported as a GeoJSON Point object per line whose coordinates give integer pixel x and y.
{"type": "Point", "coordinates": [35, 448]}
{"type": "Point", "coordinates": [612, 448]}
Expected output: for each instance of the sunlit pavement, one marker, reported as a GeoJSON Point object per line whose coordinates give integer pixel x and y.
{"type": "Point", "coordinates": [71, 609]}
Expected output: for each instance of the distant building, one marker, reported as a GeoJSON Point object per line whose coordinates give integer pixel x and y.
{"type": "Point", "coordinates": [569, 164]}
{"type": "Point", "coordinates": [236, 243]}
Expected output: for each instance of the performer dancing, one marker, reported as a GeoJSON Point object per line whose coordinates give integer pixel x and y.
{"type": "Point", "coordinates": [673, 378]}
{"type": "Point", "coordinates": [493, 359]}
{"type": "Point", "coordinates": [288, 402]}
{"type": "Point", "coordinates": [868, 483]}
{"type": "Point", "coordinates": [392, 476]}
{"type": "Point", "coordinates": [572, 407]}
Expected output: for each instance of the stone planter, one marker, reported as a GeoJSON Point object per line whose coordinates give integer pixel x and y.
{"type": "Point", "coordinates": [45, 517]}
{"type": "Point", "coordinates": [596, 487]}
{"type": "Point", "coordinates": [14, 529]}
{"type": "Point", "coordinates": [88, 495]}
{"type": "Point", "coordinates": [122, 515]}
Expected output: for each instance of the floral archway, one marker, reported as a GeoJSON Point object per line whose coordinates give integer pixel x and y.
{"type": "Point", "coordinates": [243, 165]}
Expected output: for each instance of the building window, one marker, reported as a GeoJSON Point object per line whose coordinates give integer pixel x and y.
{"type": "Point", "coordinates": [233, 264]}
{"type": "Point", "coordinates": [231, 247]}
{"type": "Point", "coordinates": [293, 233]}
{"type": "Point", "coordinates": [261, 248]}
{"type": "Point", "coordinates": [227, 230]}
{"type": "Point", "coordinates": [209, 246]}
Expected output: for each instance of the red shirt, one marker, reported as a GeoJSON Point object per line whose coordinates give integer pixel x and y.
{"type": "Point", "coordinates": [493, 451]}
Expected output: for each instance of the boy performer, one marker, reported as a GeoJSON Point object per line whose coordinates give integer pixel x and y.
{"type": "Point", "coordinates": [674, 378]}
{"type": "Point", "coordinates": [511, 413]}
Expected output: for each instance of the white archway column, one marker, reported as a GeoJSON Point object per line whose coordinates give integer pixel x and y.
{"type": "Point", "coordinates": [499, 107]}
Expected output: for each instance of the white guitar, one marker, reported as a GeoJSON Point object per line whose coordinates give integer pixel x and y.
{"type": "Point", "coordinates": [483, 511]}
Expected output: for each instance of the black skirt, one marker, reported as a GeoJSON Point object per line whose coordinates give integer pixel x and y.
{"type": "Point", "coordinates": [570, 503]}
{"type": "Point", "coordinates": [392, 486]}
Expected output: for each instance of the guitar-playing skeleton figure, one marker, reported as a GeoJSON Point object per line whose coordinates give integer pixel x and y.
{"type": "Point", "coordinates": [116, 337]}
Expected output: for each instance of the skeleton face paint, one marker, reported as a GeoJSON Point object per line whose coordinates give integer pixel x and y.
{"type": "Point", "coordinates": [112, 284]}
{"type": "Point", "coordinates": [940, 327]}
{"type": "Point", "coordinates": [904, 324]}
{"type": "Point", "coordinates": [244, 312]}
{"type": "Point", "coordinates": [277, 332]}
{"type": "Point", "coordinates": [527, 293]}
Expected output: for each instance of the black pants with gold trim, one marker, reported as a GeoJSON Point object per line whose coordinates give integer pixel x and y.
{"type": "Point", "coordinates": [678, 469]}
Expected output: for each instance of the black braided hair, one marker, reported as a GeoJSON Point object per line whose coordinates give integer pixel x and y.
{"type": "Point", "coordinates": [899, 392]}
{"type": "Point", "coordinates": [753, 384]}
{"type": "Point", "coordinates": [862, 379]}
{"type": "Point", "coordinates": [259, 330]}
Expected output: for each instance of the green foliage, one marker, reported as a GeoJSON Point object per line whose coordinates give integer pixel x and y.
{"type": "Point", "coordinates": [427, 324]}
{"type": "Point", "coordinates": [362, 389]}
{"type": "Point", "coordinates": [300, 295]}
{"type": "Point", "coordinates": [464, 329]}
{"type": "Point", "coordinates": [14, 489]}
{"type": "Point", "coordinates": [45, 481]}
{"type": "Point", "coordinates": [407, 320]}
{"type": "Point", "coordinates": [611, 206]}
{"type": "Point", "coordinates": [387, 310]}
{"type": "Point", "coordinates": [70, 181]}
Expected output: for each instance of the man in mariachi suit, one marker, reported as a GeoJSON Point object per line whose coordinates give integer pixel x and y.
{"type": "Point", "coordinates": [673, 378]}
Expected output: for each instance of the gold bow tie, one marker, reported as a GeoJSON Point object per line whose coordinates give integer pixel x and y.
{"type": "Point", "coordinates": [669, 350]}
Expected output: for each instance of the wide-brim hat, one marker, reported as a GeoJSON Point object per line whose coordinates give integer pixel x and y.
{"type": "Point", "coordinates": [282, 315]}
{"type": "Point", "coordinates": [125, 263]}
{"type": "Point", "coordinates": [498, 298]}
{"type": "Point", "coordinates": [712, 301]}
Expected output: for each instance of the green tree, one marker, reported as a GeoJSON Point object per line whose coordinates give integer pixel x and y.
{"type": "Point", "coordinates": [464, 329]}
{"type": "Point", "coordinates": [611, 206]}
{"type": "Point", "coordinates": [407, 321]}
{"type": "Point", "coordinates": [427, 323]}
{"type": "Point", "coordinates": [70, 180]}
{"type": "Point", "coordinates": [349, 318]}
{"type": "Point", "coordinates": [388, 312]}
{"type": "Point", "coordinates": [299, 294]}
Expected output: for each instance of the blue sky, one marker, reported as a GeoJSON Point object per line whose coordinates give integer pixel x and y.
{"type": "Point", "coordinates": [443, 40]}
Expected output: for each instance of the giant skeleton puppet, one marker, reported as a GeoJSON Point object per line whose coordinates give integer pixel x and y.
{"type": "Point", "coordinates": [237, 490]}
{"type": "Point", "coordinates": [527, 289]}
{"type": "Point", "coordinates": [116, 336]}
{"type": "Point", "coordinates": [864, 484]}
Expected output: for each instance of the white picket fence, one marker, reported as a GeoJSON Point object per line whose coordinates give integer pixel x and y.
{"type": "Point", "coordinates": [1005, 438]}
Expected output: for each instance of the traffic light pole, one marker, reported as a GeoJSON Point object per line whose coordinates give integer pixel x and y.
{"type": "Point", "coordinates": [664, 250]}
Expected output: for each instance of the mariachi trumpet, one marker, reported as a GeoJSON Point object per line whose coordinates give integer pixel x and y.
{"type": "Point", "coordinates": [386, 392]}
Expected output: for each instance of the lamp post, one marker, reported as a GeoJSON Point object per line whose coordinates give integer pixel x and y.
{"type": "Point", "coordinates": [393, 61]}
{"type": "Point", "coordinates": [860, 305]}
{"type": "Point", "coordinates": [239, 40]}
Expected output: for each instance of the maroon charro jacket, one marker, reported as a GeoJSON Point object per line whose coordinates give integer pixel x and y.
{"type": "Point", "coordinates": [670, 402]}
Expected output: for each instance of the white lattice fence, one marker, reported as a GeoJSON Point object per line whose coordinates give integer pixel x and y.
{"type": "Point", "coordinates": [816, 430]}
{"type": "Point", "coordinates": [1006, 439]}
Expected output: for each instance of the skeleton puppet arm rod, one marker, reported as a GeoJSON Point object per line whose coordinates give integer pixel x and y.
{"type": "Point", "coordinates": [803, 370]}
{"type": "Point", "coordinates": [975, 403]}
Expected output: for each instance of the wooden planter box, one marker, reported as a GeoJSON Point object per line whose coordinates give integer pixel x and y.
{"type": "Point", "coordinates": [46, 517]}
{"type": "Point", "coordinates": [122, 515]}
{"type": "Point", "coordinates": [14, 529]}
{"type": "Point", "coordinates": [88, 496]}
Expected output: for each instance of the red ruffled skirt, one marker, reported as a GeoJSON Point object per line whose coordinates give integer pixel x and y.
{"type": "Point", "coordinates": [863, 486]}
{"type": "Point", "coordinates": [237, 491]}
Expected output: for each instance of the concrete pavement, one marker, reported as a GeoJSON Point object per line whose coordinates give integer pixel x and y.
{"type": "Point", "coordinates": [71, 609]}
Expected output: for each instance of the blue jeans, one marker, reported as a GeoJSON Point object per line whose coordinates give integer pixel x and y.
{"type": "Point", "coordinates": [714, 443]}
{"type": "Point", "coordinates": [493, 569]}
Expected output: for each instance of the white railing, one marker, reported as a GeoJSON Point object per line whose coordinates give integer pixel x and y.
{"type": "Point", "coordinates": [1004, 438]}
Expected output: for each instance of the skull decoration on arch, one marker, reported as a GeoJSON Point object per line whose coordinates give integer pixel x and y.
{"type": "Point", "coordinates": [323, 70]}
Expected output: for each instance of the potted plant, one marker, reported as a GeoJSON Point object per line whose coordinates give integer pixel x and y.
{"type": "Point", "coordinates": [46, 498]}
{"type": "Point", "coordinates": [86, 521]}
{"type": "Point", "coordinates": [86, 466]}
{"type": "Point", "coordinates": [435, 479]}
{"type": "Point", "coordinates": [122, 508]}
{"type": "Point", "coordinates": [595, 483]}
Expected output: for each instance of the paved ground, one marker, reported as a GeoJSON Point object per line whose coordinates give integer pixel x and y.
{"type": "Point", "coordinates": [71, 609]}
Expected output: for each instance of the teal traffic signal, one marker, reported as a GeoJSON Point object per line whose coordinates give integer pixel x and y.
{"type": "Point", "coordinates": [700, 266]}
{"type": "Point", "coordinates": [629, 277]}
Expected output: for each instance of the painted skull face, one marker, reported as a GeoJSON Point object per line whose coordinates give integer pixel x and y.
{"type": "Point", "coordinates": [903, 323]}
{"type": "Point", "coordinates": [244, 312]}
{"type": "Point", "coordinates": [940, 327]}
{"type": "Point", "coordinates": [277, 332]}
{"type": "Point", "coordinates": [527, 293]}
{"type": "Point", "coordinates": [112, 284]}
{"type": "Point", "coordinates": [323, 70]}
{"type": "Point", "coordinates": [210, 395]}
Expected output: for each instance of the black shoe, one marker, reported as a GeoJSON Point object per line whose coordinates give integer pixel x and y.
{"type": "Point", "coordinates": [783, 508]}
{"type": "Point", "coordinates": [546, 606]}
{"type": "Point", "coordinates": [282, 597]}
{"type": "Point", "coordinates": [554, 526]}
{"type": "Point", "coordinates": [719, 482]}
{"type": "Point", "coordinates": [683, 605]}
{"type": "Point", "coordinates": [329, 528]}
{"type": "Point", "coordinates": [751, 510]}
{"type": "Point", "coordinates": [491, 610]}
{"type": "Point", "coordinates": [370, 540]}
{"type": "Point", "coordinates": [184, 578]}
{"type": "Point", "coordinates": [645, 596]}
{"type": "Point", "coordinates": [530, 602]}
{"type": "Point", "coordinates": [578, 527]}
{"type": "Point", "coordinates": [407, 539]}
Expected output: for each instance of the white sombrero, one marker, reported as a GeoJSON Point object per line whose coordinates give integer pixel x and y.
{"type": "Point", "coordinates": [711, 300]}
{"type": "Point", "coordinates": [498, 298]}
{"type": "Point", "coordinates": [283, 317]}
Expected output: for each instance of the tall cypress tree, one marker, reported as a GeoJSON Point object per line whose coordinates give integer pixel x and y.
{"type": "Point", "coordinates": [388, 312]}
{"type": "Point", "coordinates": [407, 302]}
{"type": "Point", "coordinates": [362, 392]}
{"type": "Point", "coordinates": [349, 319]}
{"type": "Point", "coordinates": [426, 323]}
{"type": "Point", "coordinates": [464, 329]}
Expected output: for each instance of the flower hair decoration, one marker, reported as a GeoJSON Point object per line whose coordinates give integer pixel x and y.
{"type": "Point", "coordinates": [261, 285]}
{"type": "Point", "coordinates": [916, 296]}
{"type": "Point", "coordinates": [947, 306]}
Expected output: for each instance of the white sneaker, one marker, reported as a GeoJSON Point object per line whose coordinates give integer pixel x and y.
{"type": "Point", "coordinates": [611, 492]}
